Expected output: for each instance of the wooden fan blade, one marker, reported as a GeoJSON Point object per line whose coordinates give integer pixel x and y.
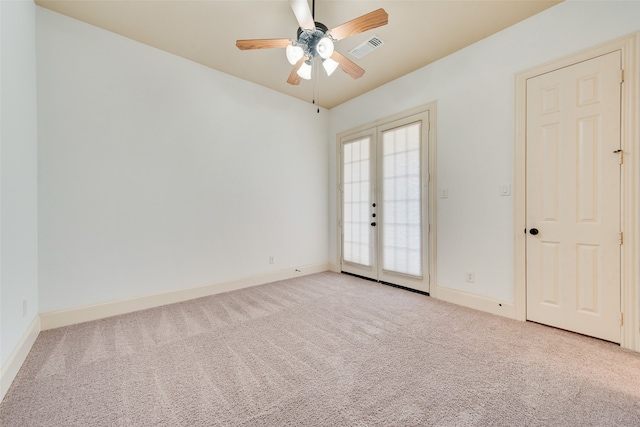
{"type": "Point", "coordinates": [347, 65]}
{"type": "Point", "coordinates": [294, 78]}
{"type": "Point", "coordinates": [303, 14]}
{"type": "Point", "coordinates": [262, 43]}
{"type": "Point", "coordinates": [371, 20]}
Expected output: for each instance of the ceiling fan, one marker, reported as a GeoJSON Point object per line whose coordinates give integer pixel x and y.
{"type": "Point", "coordinates": [314, 39]}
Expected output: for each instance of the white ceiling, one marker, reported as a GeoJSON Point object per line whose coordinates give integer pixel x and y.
{"type": "Point", "coordinates": [419, 32]}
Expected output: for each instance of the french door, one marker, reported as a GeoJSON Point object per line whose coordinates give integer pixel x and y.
{"type": "Point", "coordinates": [384, 217]}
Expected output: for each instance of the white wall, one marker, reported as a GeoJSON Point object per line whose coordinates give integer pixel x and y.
{"type": "Point", "coordinates": [158, 174]}
{"type": "Point", "coordinates": [474, 89]}
{"type": "Point", "coordinates": [18, 174]}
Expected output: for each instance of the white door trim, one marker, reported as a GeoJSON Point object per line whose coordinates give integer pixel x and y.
{"type": "Point", "coordinates": [431, 108]}
{"type": "Point", "coordinates": [629, 46]}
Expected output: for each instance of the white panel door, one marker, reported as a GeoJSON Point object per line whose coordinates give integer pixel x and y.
{"type": "Point", "coordinates": [384, 193]}
{"type": "Point", "coordinates": [573, 198]}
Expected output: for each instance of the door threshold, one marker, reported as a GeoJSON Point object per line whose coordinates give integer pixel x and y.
{"type": "Point", "coordinates": [387, 283]}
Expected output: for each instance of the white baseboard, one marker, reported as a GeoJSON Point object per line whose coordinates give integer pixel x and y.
{"type": "Point", "coordinates": [501, 308]}
{"type": "Point", "coordinates": [57, 319]}
{"type": "Point", "coordinates": [17, 357]}
{"type": "Point", "coordinates": [334, 267]}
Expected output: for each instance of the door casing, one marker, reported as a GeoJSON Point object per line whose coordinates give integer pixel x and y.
{"type": "Point", "coordinates": [629, 46]}
{"type": "Point", "coordinates": [430, 244]}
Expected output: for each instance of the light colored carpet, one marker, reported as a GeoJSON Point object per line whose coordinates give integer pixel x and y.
{"type": "Point", "coordinates": [321, 350]}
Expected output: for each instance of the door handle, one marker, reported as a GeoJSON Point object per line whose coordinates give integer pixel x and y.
{"type": "Point", "coordinates": [533, 231]}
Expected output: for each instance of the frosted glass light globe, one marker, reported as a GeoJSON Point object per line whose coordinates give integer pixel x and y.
{"type": "Point", "coordinates": [294, 53]}
{"type": "Point", "coordinates": [305, 70]}
{"type": "Point", "coordinates": [325, 47]}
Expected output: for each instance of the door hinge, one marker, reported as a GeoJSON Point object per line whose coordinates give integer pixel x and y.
{"type": "Point", "coordinates": [620, 154]}
{"type": "Point", "coordinates": [621, 76]}
{"type": "Point", "coordinates": [621, 319]}
{"type": "Point", "coordinates": [621, 237]}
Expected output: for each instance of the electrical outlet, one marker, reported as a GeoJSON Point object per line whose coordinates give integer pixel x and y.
{"type": "Point", "coordinates": [444, 193]}
{"type": "Point", "coordinates": [470, 276]}
{"type": "Point", "coordinates": [272, 259]}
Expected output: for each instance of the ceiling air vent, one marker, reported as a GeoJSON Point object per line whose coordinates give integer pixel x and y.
{"type": "Point", "coordinates": [366, 47]}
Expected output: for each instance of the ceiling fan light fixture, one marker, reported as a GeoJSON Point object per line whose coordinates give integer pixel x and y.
{"type": "Point", "coordinates": [315, 39]}
{"type": "Point", "coordinates": [294, 53]}
{"type": "Point", "coordinates": [325, 47]}
{"type": "Point", "coordinates": [329, 65]}
{"type": "Point", "coordinates": [305, 70]}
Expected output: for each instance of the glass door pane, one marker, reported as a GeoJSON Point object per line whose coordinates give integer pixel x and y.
{"type": "Point", "coordinates": [357, 240]}
{"type": "Point", "coordinates": [401, 200]}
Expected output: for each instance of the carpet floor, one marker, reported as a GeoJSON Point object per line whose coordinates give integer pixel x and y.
{"type": "Point", "coordinates": [321, 350]}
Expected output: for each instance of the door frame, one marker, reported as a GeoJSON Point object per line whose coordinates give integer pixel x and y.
{"type": "Point", "coordinates": [431, 227]}
{"type": "Point", "coordinates": [629, 46]}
